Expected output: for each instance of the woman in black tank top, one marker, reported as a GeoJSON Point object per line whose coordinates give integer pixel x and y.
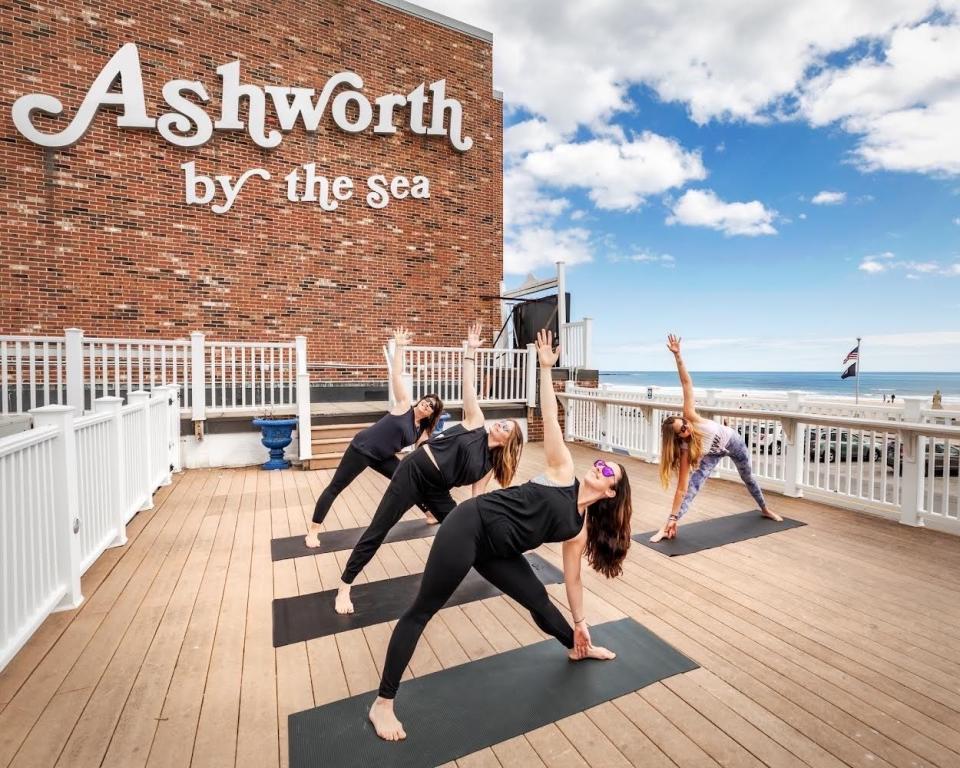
{"type": "Point", "coordinates": [376, 446]}
{"type": "Point", "coordinates": [490, 533]}
{"type": "Point", "coordinates": [466, 454]}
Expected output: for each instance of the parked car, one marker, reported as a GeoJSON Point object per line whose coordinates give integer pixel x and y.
{"type": "Point", "coordinates": [847, 444]}
{"type": "Point", "coordinates": [939, 459]}
{"type": "Point", "coordinates": [768, 439]}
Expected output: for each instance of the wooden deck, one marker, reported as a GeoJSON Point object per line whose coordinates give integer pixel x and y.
{"type": "Point", "coordinates": [829, 645]}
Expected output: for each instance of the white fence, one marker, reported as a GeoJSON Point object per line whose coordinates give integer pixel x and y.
{"type": "Point", "coordinates": [905, 469]}
{"type": "Point", "coordinates": [501, 374]}
{"type": "Point", "coordinates": [68, 487]}
{"type": "Point", "coordinates": [75, 370]}
{"type": "Point", "coordinates": [575, 343]}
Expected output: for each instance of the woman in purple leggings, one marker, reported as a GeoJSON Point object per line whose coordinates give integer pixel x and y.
{"type": "Point", "coordinates": [693, 441]}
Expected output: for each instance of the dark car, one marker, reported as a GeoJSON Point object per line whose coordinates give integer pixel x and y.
{"type": "Point", "coordinates": [847, 444]}
{"type": "Point", "coordinates": [939, 459]}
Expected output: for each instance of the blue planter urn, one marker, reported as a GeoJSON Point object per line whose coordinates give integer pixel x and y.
{"type": "Point", "coordinates": [276, 435]}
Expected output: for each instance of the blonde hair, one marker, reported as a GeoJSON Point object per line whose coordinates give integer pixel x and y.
{"type": "Point", "coordinates": [506, 457]}
{"type": "Point", "coordinates": [670, 447]}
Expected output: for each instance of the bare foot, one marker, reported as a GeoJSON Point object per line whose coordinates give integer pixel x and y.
{"type": "Point", "coordinates": [772, 515]}
{"type": "Point", "coordinates": [312, 539]}
{"type": "Point", "coordinates": [431, 520]}
{"type": "Point", "coordinates": [343, 602]}
{"type": "Point", "coordinates": [385, 722]}
{"type": "Point", "coordinates": [594, 652]}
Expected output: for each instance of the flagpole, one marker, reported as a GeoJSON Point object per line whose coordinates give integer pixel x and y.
{"type": "Point", "coordinates": [859, 369]}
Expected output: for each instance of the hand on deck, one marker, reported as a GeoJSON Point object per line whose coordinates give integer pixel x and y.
{"type": "Point", "coordinates": [669, 531]}
{"type": "Point", "coordinates": [545, 351]}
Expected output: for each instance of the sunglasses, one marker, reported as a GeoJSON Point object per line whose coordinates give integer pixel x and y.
{"type": "Point", "coordinates": [605, 469]}
{"type": "Point", "coordinates": [506, 426]}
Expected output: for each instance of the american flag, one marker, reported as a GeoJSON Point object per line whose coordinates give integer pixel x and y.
{"type": "Point", "coordinates": [849, 366]}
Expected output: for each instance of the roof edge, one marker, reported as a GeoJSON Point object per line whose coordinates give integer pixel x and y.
{"type": "Point", "coordinates": [438, 18]}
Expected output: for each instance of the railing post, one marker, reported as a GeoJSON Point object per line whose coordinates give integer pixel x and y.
{"type": "Point", "coordinates": [163, 391]}
{"type": "Point", "coordinates": [711, 397]}
{"type": "Point", "coordinates": [73, 348]}
{"type": "Point", "coordinates": [912, 407]}
{"type": "Point", "coordinates": [793, 401]}
{"type": "Point", "coordinates": [587, 342]}
{"type": "Point", "coordinates": [391, 350]}
{"type": "Point", "coordinates": [792, 457]}
{"type": "Point", "coordinates": [139, 397]}
{"type": "Point", "coordinates": [176, 463]}
{"type": "Point", "coordinates": [198, 374]}
{"type": "Point", "coordinates": [652, 431]}
{"type": "Point", "coordinates": [569, 409]}
{"type": "Point", "coordinates": [533, 366]}
{"type": "Point", "coordinates": [304, 417]}
{"type": "Point", "coordinates": [911, 489]}
{"type": "Point", "coordinates": [112, 405]}
{"type": "Point", "coordinates": [66, 499]}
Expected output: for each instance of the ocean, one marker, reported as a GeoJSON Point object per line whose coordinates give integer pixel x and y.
{"type": "Point", "coordinates": [872, 385]}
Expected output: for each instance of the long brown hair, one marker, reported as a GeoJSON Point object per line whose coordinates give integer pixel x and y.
{"type": "Point", "coordinates": [506, 457]}
{"type": "Point", "coordinates": [608, 529]}
{"type": "Point", "coordinates": [427, 425]}
{"type": "Point", "coordinates": [671, 444]}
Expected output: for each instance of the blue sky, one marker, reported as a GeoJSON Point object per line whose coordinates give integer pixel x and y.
{"type": "Point", "coordinates": [768, 200]}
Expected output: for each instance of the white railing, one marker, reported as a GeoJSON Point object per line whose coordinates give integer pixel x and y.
{"type": "Point", "coordinates": [575, 343]}
{"type": "Point", "coordinates": [902, 469]}
{"type": "Point", "coordinates": [68, 487]}
{"type": "Point", "coordinates": [501, 374]}
{"type": "Point", "coordinates": [76, 370]}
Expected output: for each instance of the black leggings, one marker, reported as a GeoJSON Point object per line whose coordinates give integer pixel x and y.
{"type": "Point", "coordinates": [461, 544]}
{"type": "Point", "coordinates": [351, 465]}
{"type": "Point", "coordinates": [417, 482]}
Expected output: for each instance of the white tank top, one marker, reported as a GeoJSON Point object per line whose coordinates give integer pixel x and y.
{"type": "Point", "coordinates": [716, 436]}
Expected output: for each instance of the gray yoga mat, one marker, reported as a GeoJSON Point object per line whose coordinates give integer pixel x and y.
{"type": "Point", "coordinates": [463, 709]}
{"type": "Point", "coordinates": [306, 617]}
{"type": "Point", "coordinates": [707, 534]}
{"type": "Point", "coordinates": [347, 538]}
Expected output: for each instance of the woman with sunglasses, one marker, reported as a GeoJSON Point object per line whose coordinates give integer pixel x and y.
{"type": "Point", "coordinates": [693, 441]}
{"type": "Point", "coordinates": [377, 445]}
{"type": "Point", "coordinates": [491, 532]}
{"type": "Point", "coordinates": [465, 454]}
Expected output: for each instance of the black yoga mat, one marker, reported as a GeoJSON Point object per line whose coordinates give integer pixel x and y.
{"type": "Point", "coordinates": [717, 532]}
{"type": "Point", "coordinates": [306, 617]}
{"type": "Point", "coordinates": [458, 711]}
{"type": "Point", "coordinates": [347, 538]}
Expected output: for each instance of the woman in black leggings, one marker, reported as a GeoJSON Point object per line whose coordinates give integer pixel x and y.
{"type": "Point", "coordinates": [491, 533]}
{"type": "Point", "coordinates": [467, 454]}
{"type": "Point", "coordinates": [376, 446]}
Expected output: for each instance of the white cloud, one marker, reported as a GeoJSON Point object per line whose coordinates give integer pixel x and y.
{"type": "Point", "coordinates": [535, 247]}
{"type": "Point", "coordinates": [886, 262]}
{"type": "Point", "coordinates": [529, 136]}
{"type": "Point", "coordinates": [904, 104]}
{"type": "Point", "coordinates": [957, 221]}
{"type": "Point", "coordinates": [617, 175]}
{"type": "Point", "coordinates": [525, 203]}
{"type": "Point", "coordinates": [646, 257]}
{"type": "Point", "coordinates": [801, 215]}
{"type": "Point", "coordinates": [826, 197]}
{"type": "Point", "coordinates": [702, 208]}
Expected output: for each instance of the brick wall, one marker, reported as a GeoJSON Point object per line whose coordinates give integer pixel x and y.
{"type": "Point", "coordinates": [99, 236]}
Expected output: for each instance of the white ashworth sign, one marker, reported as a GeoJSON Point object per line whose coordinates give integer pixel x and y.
{"type": "Point", "coordinates": [189, 125]}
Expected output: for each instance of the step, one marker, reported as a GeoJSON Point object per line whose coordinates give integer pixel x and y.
{"type": "Point", "coordinates": [337, 430]}
{"type": "Point", "coordinates": [324, 461]}
{"type": "Point", "coordinates": [327, 444]}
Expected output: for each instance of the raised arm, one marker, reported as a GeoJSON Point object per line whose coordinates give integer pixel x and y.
{"type": "Point", "coordinates": [401, 397]}
{"type": "Point", "coordinates": [559, 462]}
{"type": "Point", "coordinates": [689, 406]}
{"type": "Point", "coordinates": [472, 415]}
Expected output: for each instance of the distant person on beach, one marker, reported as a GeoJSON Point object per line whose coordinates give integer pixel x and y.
{"type": "Point", "coordinates": [892, 398]}
{"type": "Point", "coordinates": [937, 401]}
{"type": "Point", "coordinates": [693, 441]}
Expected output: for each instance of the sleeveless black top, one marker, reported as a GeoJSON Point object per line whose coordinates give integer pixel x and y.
{"type": "Point", "coordinates": [381, 440]}
{"type": "Point", "coordinates": [461, 454]}
{"type": "Point", "coordinates": [522, 517]}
